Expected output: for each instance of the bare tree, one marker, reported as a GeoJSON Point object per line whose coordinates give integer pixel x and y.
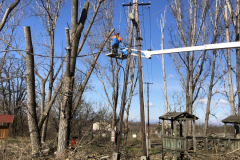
{"type": "Point", "coordinates": [188, 33]}
{"type": "Point", "coordinates": [68, 108]}
{"type": "Point", "coordinates": [7, 12]}
{"type": "Point", "coordinates": [12, 71]}
{"type": "Point", "coordinates": [31, 100]}
{"type": "Point", "coordinates": [131, 92]}
{"type": "Point", "coordinates": [162, 27]}
{"type": "Point", "coordinates": [234, 11]}
{"type": "Point", "coordinates": [72, 46]}
{"type": "Point", "coordinates": [108, 74]}
{"type": "Point", "coordinates": [215, 21]}
{"type": "Point", "coordinates": [48, 12]}
{"type": "Point", "coordinates": [229, 66]}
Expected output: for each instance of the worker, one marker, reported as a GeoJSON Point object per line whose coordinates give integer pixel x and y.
{"type": "Point", "coordinates": [115, 43]}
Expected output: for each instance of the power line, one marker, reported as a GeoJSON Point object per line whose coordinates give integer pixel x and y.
{"type": "Point", "coordinates": [56, 56]}
{"type": "Point", "coordinates": [154, 14]}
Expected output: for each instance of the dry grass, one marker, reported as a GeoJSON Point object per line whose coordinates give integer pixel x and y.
{"type": "Point", "coordinates": [99, 147]}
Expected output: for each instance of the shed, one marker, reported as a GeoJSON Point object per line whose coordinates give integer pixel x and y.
{"type": "Point", "coordinates": [97, 126]}
{"type": "Point", "coordinates": [233, 119]}
{"type": "Point", "coordinates": [177, 142]}
{"type": "Point", "coordinates": [5, 120]}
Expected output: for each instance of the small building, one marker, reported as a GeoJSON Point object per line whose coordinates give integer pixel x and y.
{"type": "Point", "coordinates": [101, 126]}
{"type": "Point", "coordinates": [179, 140]}
{"type": "Point", "coordinates": [5, 121]}
{"type": "Point", "coordinates": [233, 119]}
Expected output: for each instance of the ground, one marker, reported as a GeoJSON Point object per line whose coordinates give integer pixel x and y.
{"type": "Point", "coordinates": [101, 148]}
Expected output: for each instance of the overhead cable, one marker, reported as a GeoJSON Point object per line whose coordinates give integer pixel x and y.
{"type": "Point", "coordinates": [154, 13]}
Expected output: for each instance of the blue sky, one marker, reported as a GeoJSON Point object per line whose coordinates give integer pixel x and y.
{"type": "Point", "coordinates": [152, 68]}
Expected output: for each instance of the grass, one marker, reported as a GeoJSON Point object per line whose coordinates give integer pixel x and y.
{"type": "Point", "coordinates": [20, 147]}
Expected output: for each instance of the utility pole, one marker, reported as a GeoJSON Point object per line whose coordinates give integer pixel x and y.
{"type": "Point", "coordinates": [116, 154]}
{"type": "Point", "coordinates": [148, 106]}
{"type": "Point", "coordinates": [144, 148]}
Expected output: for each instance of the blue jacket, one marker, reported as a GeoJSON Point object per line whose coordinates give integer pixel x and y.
{"type": "Point", "coordinates": [116, 40]}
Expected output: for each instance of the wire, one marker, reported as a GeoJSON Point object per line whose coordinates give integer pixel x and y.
{"type": "Point", "coordinates": [57, 57]}
{"type": "Point", "coordinates": [150, 30]}
{"type": "Point", "coordinates": [154, 13]}
{"type": "Point", "coordinates": [144, 31]}
{"type": "Point", "coordinates": [150, 39]}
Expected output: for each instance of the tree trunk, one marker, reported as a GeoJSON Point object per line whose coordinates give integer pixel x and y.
{"type": "Point", "coordinates": [230, 86]}
{"type": "Point", "coordinates": [66, 112]}
{"type": "Point", "coordinates": [114, 118]}
{"type": "Point", "coordinates": [238, 54]}
{"type": "Point", "coordinates": [209, 94]}
{"type": "Point", "coordinates": [115, 87]}
{"type": "Point", "coordinates": [31, 102]}
{"type": "Point", "coordinates": [50, 89]}
{"type": "Point", "coordinates": [65, 106]}
{"type": "Point", "coordinates": [212, 73]}
{"type": "Point", "coordinates": [132, 88]}
{"type": "Point", "coordinates": [162, 27]}
{"type": "Point", "coordinates": [124, 92]}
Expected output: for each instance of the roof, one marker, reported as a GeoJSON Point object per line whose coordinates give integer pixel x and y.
{"type": "Point", "coordinates": [232, 119]}
{"type": "Point", "coordinates": [6, 118]}
{"type": "Point", "coordinates": [176, 115]}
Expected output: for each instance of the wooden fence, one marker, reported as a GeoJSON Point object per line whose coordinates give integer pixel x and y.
{"type": "Point", "coordinates": [178, 145]}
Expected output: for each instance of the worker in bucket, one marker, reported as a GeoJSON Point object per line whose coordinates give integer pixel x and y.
{"type": "Point", "coordinates": [115, 43]}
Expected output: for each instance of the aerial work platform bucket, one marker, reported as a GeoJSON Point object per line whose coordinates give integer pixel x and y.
{"type": "Point", "coordinates": [122, 54]}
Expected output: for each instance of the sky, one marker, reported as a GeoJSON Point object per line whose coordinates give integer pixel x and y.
{"type": "Point", "coordinates": [152, 68]}
{"type": "Point", "coordinates": [152, 71]}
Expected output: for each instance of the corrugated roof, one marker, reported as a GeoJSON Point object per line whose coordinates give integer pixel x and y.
{"type": "Point", "coordinates": [175, 115]}
{"type": "Point", "coordinates": [232, 119]}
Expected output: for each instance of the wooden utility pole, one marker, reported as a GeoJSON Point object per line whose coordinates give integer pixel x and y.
{"type": "Point", "coordinates": [116, 154]}
{"type": "Point", "coordinates": [144, 148]}
{"type": "Point", "coordinates": [148, 106]}
{"type": "Point", "coordinates": [136, 23]}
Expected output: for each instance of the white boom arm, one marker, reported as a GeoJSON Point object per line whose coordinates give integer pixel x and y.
{"type": "Point", "coordinates": [148, 54]}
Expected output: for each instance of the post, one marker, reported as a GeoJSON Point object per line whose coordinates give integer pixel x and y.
{"type": "Point", "coordinates": [148, 111]}
{"type": "Point", "coordinates": [92, 129]}
{"type": "Point", "coordinates": [175, 140]}
{"type": "Point", "coordinates": [116, 155]}
{"type": "Point", "coordinates": [185, 135]}
{"type": "Point", "coordinates": [194, 137]}
{"type": "Point", "coordinates": [136, 23]}
{"type": "Point", "coordinates": [162, 138]}
{"type": "Point", "coordinates": [148, 108]}
{"type": "Point", "coordinates": [206, 144]}
{"type": "Point", "coordinates": [144, 148]}
{"type": "Point", "coordinates": [180, 132]}
{"type": "Point", "coordinates": [225, 134]}
{"type": "Point", "coordinates": [225, 129]}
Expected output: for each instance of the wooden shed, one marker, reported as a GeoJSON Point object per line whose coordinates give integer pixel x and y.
{"type": "Point", "coordinates": [233, 119]}
{"type": "Point", "coordinates": [178, 140]}
{"type": "Point", "coordinates": [5, 120]}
